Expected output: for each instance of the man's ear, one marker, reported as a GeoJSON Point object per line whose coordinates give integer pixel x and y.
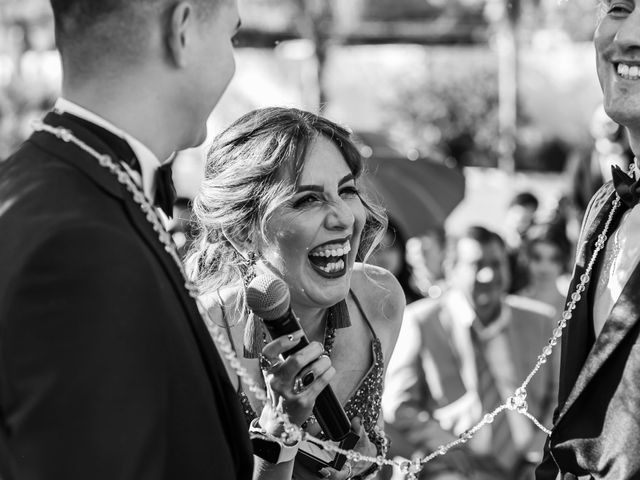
{"type": "Point", "coordinates": [181, 19]}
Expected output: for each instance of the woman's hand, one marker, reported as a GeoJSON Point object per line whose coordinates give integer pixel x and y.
{"type": "Point", "coordinates": [294, 383]}
{"type": "Point", "coordinates": [364, 447]}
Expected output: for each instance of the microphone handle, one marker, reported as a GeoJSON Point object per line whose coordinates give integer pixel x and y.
{"type": "Point", "coordinates": [327, 409]}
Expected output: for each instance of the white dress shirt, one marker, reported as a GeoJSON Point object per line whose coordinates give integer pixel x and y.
{"type": "Point", "coordinates": [621, 257]}
{"type": "Point", "coordinates": [149, 163]}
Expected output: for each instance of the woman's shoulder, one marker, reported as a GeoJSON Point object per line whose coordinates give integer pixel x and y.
{"type": "Point", "coordinates": [379, 292]}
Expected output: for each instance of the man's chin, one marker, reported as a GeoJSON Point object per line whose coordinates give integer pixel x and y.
{"type": "Point", "coordinates": [196, 140]}
{"type": "Point", "coordinates": [622, 109]}
{"type": "Point", "coordinates": [486, 306]}
{"type": "Point", "coordinates": [201, 138]}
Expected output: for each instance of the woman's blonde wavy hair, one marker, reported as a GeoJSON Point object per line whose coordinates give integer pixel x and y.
{"type": "Point", "coordinates": [246, 180]}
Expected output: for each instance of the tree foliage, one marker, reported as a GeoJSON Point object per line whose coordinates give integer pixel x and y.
{"type": "Point", "coordinates": [450, 110]}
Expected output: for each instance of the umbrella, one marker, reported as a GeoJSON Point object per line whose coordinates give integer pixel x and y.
{"type": "Point", "coordinates": [417, 194]}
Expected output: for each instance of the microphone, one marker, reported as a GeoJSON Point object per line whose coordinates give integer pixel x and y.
{"type": "Point", "coordinates": [269, 298]}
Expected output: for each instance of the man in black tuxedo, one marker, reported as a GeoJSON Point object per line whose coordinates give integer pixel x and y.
{"type": "Point", "coordinates": [596, 431]}
{"type": "Point", "coordinates": [107, 370]}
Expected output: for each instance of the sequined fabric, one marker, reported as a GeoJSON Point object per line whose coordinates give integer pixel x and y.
{"type": "Point", "coordinates": [366, 400]}
{"type": "Point", "coordinates": [364, 403]}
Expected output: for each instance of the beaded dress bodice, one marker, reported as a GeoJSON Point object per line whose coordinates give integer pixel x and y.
{"type": "Point", "coordinates": [365, 402]}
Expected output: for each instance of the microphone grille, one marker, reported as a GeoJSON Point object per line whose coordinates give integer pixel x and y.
{"type": "Point", "coordinates": [268, 297]}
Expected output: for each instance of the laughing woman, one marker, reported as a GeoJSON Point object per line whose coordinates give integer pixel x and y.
{"type": "Point", "coordinates": [280, 195]}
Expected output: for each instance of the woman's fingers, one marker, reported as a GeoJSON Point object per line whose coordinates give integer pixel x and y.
{"type": "Point", "coordinates": [298, 365]}
{"type": "Point", "coordinates": [294, 363]}
{"type": "Point", "coordinates": [333, 474]}
{"type": "Point", "coordinates": [309, 374]}
{"type": "Point", "coordinates": [297, 380]}
{"type": "Point", "coordinates": [299, 406]}
{"type": "Point", "coordinates": [364, 446]}
{"type": "Point", "coordinates": [284, 343]}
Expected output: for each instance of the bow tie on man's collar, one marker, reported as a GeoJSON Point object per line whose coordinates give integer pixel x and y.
{"type": "Point", "coordinates": [627, 188]}
{"type": "Point", "coordinates": [165, 190]}
{"type": "Point", "coordinates": [165, 195]}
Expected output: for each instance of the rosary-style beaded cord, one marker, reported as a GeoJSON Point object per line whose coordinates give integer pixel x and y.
{"type": "Point", "coordinates": [292, 432]}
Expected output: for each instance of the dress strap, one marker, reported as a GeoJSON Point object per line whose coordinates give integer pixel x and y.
{"type": "Point", "coordinates": [364, 315]}
{"type": "Point", "coordinates": [227, 327]}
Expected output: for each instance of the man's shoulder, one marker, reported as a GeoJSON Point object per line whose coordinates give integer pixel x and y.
{"type": "Point", "coordinates": [530, 315]}
{"type": "Point", "coordinates": [529, 306]}
{"type": "Point", "coordinates": [34, 180]}
{"type": "Point", "coordinates": [31, 167]}
{"type": "Point", "coordinates": [42, 197]}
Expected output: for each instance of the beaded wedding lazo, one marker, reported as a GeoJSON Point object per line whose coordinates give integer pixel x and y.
{"type": "Point", "coordinates": [517, 402]}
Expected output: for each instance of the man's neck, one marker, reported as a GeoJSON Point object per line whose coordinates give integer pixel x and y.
{"type": "Point", "coordinates": [132, 111]}
{"type": "Point", "coordinates": [634, 141]}
{"type": "Point", "coordinates": [489, 315]}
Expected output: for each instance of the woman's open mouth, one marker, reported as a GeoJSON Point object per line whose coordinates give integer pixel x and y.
{"type": "Point", "coordinates": [330, 259]}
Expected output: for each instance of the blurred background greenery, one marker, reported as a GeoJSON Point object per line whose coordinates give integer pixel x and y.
{"type": "Point", "coordinates": [470, 83]}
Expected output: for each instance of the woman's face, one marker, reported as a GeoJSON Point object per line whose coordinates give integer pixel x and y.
{"type": "Point", "coordinates": [545, 262]}
{"type": "Point", "coordinates": [313, 239]}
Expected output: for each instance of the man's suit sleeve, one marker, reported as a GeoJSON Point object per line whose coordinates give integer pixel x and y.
{"type": "Point", "coordinates": [406, 397]}
{"type": "Point", "coordinates": [405, 385]}
{"type": "Point", "coordinates": [407, 401]}
{"type": "Point", "coordinates": [84, 381]}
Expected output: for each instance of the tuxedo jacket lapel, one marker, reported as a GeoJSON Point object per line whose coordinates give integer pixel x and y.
{"type": "Point", "coordinates": [623, 317]}
{"type": "Point", "coordinates": [573, 354]}
{"type": "Point", "coordinates": [595, 218]}
{"type": "Point", "coordinates": [581, 359]}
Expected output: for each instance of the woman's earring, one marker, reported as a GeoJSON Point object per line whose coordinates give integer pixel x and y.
{"type": "Point", "coordinates": [250, 272]}
{"type": "Point", "coordinates": [254, 333]}
{"type": "Point", "coordinates": [255, 337]}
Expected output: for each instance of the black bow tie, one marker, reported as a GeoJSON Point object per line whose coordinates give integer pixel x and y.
{"type": "Point", "coordinates": [165, 190]}
{"type": "Point", "coordinates": [165, 195]}
{"type": "Point", "coordinates": [627, 188]}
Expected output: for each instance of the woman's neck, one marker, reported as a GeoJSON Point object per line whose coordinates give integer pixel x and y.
{"type": "Point", "coordinates": [312, 321]}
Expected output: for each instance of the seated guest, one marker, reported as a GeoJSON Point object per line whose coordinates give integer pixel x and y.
{"type": "Point", "coordinates": [390, 254]}
{"type": "Point", "coordinates": [281, 195]}
{"type": "Point", "coordinates": [461, 356]}
{"type": "Point", "coordinates": [547, 252]}
{"type": "Point", "coordinates": [519, 218]}
{"type": "Point", "coordinates": [425, 255]}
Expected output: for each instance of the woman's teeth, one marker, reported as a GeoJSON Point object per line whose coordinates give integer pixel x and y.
{"type": "Point", "coordinates": [333, 251]}
{"type": "Point", "coordinates": [332, 267]}
{"type": "Point", "coordinates": [330, 258]}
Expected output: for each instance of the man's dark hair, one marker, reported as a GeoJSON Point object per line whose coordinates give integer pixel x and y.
{"type": "Point", "coordinates": [480, 234]}
{"type": "Point", "coordinates": [88, 31]}
{"type": "Point", "coordinates": [525, 199]}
